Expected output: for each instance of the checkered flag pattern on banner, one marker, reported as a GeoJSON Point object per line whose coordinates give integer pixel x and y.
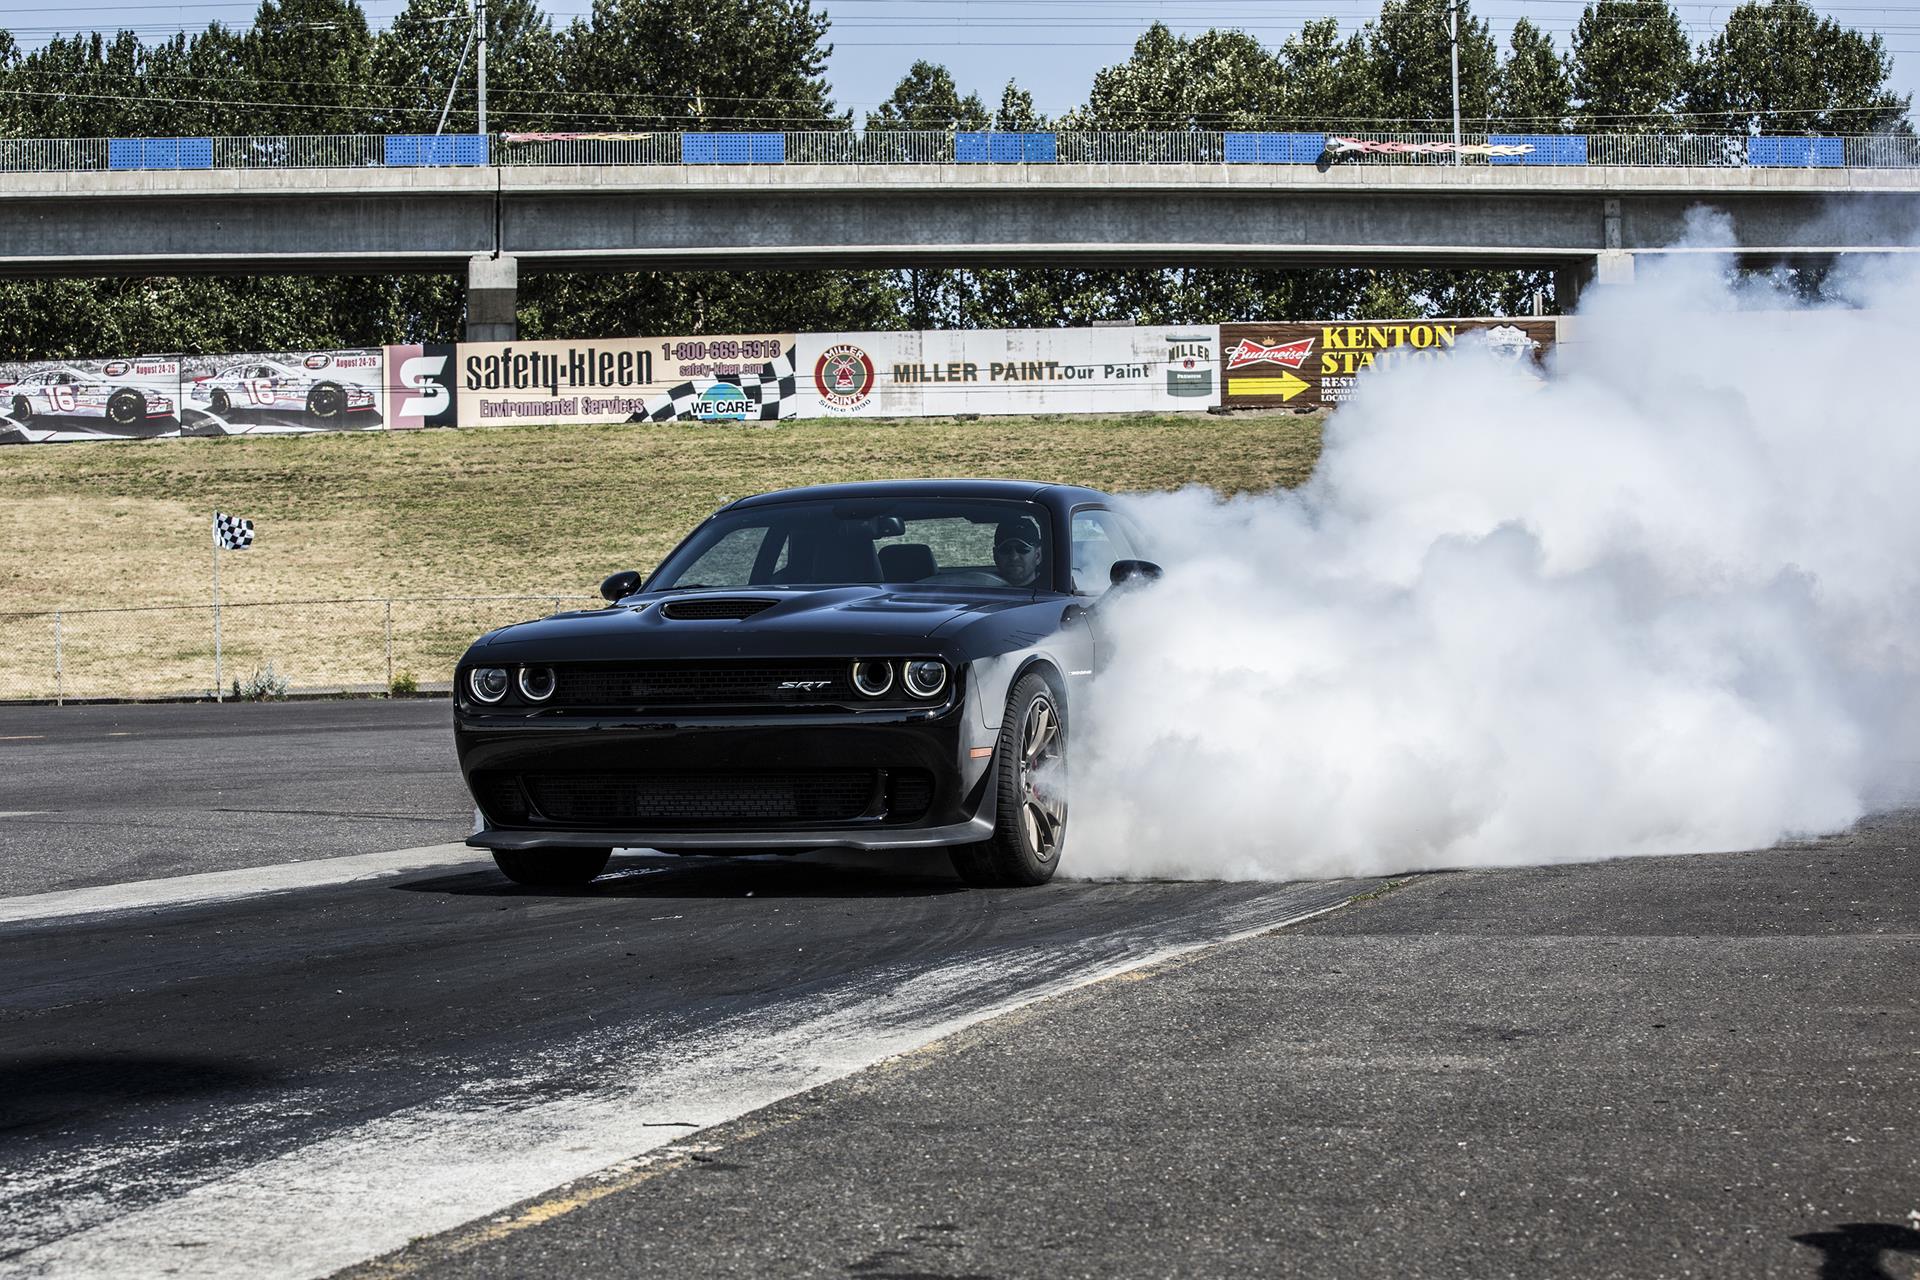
{"type": "Point", "coordinates": [231, 532]}
{"type": "Point", "coordinates": [771, 391]}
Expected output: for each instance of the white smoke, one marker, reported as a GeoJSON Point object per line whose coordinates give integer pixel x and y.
{"type": "Point", "coordinates": [1666, 600]}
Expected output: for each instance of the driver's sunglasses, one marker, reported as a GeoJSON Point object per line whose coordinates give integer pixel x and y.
{"type": "Point", "coordinates": [1013, 547]}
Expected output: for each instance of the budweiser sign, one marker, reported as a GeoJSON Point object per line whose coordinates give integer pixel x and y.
{"type": "Point", "coordinates": [1290, 354]}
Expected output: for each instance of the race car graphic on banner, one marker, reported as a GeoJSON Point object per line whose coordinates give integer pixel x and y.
{"type": "Point", "coordinates": [282, 392]}
{"type": "Point", "coordinates": [716, 378]}
{"type": "Point", "coordinates": [1118, 369]}
{"type": "Point", "coordinates": [125, 398]}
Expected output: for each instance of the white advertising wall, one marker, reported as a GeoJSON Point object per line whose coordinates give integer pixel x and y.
{"type": "Point", "coordinates": [283, 392]}
{"type": "Point", "coordinates": [129, 397]}
{"type": "Point", "coordinates": [1143, 368]}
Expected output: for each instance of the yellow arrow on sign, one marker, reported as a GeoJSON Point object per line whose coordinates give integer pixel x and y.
{"type": "Point", "coordinates": [1286, 386]}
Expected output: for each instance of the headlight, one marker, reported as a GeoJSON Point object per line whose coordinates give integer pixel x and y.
{"type": "Point", "coordinates": [537, 683]}
{"type": "Point", "coordinates": [873, 678]}
{"type": "Point", "coordinates": [489, 684]}
{"type": "Point", "coordinates": [925, 678]}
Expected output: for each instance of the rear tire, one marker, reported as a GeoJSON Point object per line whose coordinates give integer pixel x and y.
{"type": "Point", "coordinates": [126, 408]}
{"type": "Point", "coordinates": [1030, 822]}
{"type": "Point", "coordinates": [551, 868]}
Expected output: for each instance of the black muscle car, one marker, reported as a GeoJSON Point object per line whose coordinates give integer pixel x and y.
{"type": "Point", "coordinates": [870, 666]}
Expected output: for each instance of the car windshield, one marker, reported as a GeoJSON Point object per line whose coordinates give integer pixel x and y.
{"type": "Point", "coordinates": [926, 541]}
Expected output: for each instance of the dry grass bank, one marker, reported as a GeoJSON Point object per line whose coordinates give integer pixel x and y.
{"type": "Point", "coordinates": [524, 509]}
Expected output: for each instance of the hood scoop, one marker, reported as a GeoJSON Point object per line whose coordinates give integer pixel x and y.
{"type": "Point", "coordinates": [700, 609]}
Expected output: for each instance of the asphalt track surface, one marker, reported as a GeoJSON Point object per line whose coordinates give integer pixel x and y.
{"type": "Point", "coordinates": [1701, 1065]}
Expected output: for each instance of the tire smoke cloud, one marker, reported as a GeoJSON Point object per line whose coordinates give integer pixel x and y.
{"type": "Point", "coordinates": [1665, 600]}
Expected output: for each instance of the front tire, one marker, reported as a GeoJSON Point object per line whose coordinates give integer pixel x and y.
{"type": "Point", "coordinates": [1030, 772]}
{"type": "Point", "coordinates": [126, 408]}
{"type": "Point", "coordinates": [551, 868]}
{"type": "Point", "coordinates": [326, 402]}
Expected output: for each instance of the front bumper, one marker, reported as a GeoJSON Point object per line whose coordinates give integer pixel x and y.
{"type": "Point", "coordinates": [936, 746]}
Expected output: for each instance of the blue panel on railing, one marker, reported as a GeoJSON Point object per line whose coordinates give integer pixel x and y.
{"type": "Point", "coordinates": [124, 153]}
{"type": "Point", "coordinates": [1274, 148]}
{"type": "Point", "coordinates": [1005, 148]}
{"type": "Point", "coordinates": [407, 150]}
{"type": "Point", "coordinates": [1796, 153]}
{"type": "Point", "coordinates": [159, 153]}
{"type": "Point", "coordinates": [733, 148]}
{"type": "Point", "coordinates": [196, 153]}
{"type": "Point", "coordinates": [1548, 148]}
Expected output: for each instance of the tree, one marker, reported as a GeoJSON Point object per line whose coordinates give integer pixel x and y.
{"type": "Point", "coordinates": [1779, 67]}
{"type": "Point", "coordinates": [1016, 113]}
{"type": "Point", "coordinates": [1217, 80]}
{"type": "Point", "coordinates": [1410, 61]}
{"type": "Point", "coordinates": [926, 98]}
{"type": "Point", "coordinates": [419, 58]}
{"type": "Point", "coordinates": [312, 59]}
{"type": "Point", "coordinates": [1533, 94]}
{"type": "Point", "coordinates": [1328, 82]}
{"type": "Point", "coordinates": [1631, 65]}
{"type": "Point", "coordinates": [698, 64]}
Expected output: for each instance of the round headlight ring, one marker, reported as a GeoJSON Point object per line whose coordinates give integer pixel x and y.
{"type": "Point", "coordinates": [924, 677]}
{"type": "Point", "coordinates": [488, 684]}
{"type": "Point", "coordinates": [537, 683]}
{"type": "Point", "coordinates": [872, 677]}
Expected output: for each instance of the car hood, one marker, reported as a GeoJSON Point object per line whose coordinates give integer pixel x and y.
{"type": "Point", "coordinates": [832, 620]}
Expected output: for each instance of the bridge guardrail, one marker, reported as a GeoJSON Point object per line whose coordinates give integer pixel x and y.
{"type": "Point", "coordinates": [1029, 148]}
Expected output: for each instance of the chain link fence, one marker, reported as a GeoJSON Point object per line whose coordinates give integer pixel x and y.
{"type": "Point", "coordinates": [354, 645]}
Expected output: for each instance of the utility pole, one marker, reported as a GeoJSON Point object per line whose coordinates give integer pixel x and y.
{"type": "Point", "coordinates": [480, 25]}
{"type": "Point", "coordinates": [1453, 43]}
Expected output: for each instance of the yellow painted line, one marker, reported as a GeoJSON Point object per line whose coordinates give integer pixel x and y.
{"type": "Point", "coordinates": [21, 737]}
{"type": "Point", "coordinates": [121, 733]}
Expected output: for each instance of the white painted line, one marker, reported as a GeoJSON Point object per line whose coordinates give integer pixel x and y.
{"type": "Point", "coordinates": [218, 886]}
{"type": "Point", "coordinates": [426, 1170]}
{"type": "Point", "coordinates": [21, 813]}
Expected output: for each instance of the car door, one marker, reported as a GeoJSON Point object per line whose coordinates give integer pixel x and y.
{"type": "Point", "coordinates": [1097, 538]}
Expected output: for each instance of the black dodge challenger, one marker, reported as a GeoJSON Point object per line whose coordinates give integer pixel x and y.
{"type": "Point", "coordinates": [870, 666]}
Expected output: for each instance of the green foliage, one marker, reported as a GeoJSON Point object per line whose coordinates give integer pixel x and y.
{"type": "Point", "coordinates": [1631, 66]}
{"type": "Point", "coordinates": [1534, 93]}
{"type": "Point", "coordinates": [1779, 67]}
{"type": "Point", "coordinates": [1408, 55]}
{"type": "Point", "coordinates": [926, 98]}
{"type": "Point", "coordinates": [405, 685]}
{"type": "Point", "coordinates": [1217, 80]}
{"type": "Point", "coordinates": [1329, 82]}
{"type": "Point", "coordinates": [1016, 112]}
{"type": "Point", "coordinates": [416, 60]}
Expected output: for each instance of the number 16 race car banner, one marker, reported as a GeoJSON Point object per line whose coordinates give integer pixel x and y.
{"type": "Point", "coordinates": [282, 392]}
{"type": "Point", "coordinates": [128, 398]}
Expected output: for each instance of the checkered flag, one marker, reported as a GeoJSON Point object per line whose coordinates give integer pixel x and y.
{"type": "Point", "coordinates": [771, 391]}
{"type": "Point", "coordinates": [231, 532]}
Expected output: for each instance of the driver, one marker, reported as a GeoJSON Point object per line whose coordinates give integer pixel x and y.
{"type": "Point", "coordinates": [1016, 551]}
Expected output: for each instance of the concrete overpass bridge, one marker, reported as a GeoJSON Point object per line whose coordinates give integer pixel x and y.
{"type": "Point", "coordinates": [1587, 221]}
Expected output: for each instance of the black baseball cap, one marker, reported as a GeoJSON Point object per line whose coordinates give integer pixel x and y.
{"type": "Point", "coordinates": [1021, 527]}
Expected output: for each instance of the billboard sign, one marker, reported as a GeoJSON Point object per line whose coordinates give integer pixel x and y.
{"type": "Point", "coordinates": [725, 378]}
{"type": "Point", "coordinates": [419, 385]}
{"type": "Point", "coordinates": [1315, 366]}
{"type": "Point", "coordinates": [283, 392]}
{"type": "Point", "coordinates": [128, 397]}
{"type": "Point", "coordinates": [1125, 369]}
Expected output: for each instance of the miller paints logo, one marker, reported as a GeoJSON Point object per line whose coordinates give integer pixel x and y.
{"type": "Point", "coordinates": [1290, 354]}
{"type": "Point", "coordinates": [844, 377]}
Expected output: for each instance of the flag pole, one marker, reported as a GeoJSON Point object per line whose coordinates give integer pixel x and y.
{"type": "Point", "coordinates": [219, 694]}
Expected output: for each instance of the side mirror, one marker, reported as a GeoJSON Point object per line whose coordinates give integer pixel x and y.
{"type": "Point", "coordinates": [1125, 571]}
{"type": "Point", "coordinates": [618, 586]}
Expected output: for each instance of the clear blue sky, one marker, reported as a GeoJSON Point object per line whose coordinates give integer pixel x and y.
{"type": "Point", "coordinates": [1052, 47]}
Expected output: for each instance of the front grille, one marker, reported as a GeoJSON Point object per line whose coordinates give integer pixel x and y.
{"type": "Point", "coordinates": [665, 686]}
{"type": "Point", "coordinates": [699, 610]}
{"type": "Point", "coordinates": [679, 801]}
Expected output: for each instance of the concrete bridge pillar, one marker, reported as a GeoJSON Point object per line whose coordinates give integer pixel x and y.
{"type": "Point", "coordinates": [492, 284]}
{"type": "Point", "coordinates": [1572, 280]}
